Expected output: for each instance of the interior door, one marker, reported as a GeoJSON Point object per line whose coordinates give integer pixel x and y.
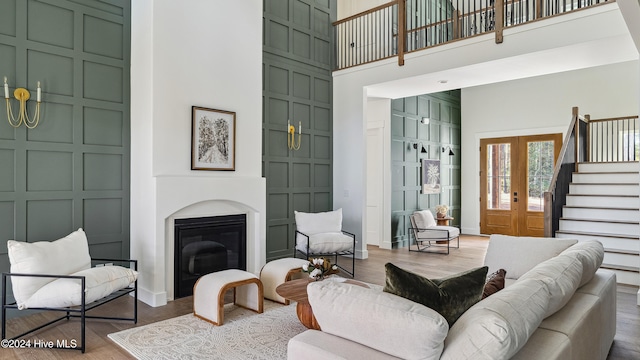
{"type": "Point", "coordinates": [514, 174]}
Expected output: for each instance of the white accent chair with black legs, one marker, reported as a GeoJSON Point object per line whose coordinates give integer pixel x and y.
{"type": "Point", "coordinates": [321, 235]}
{"type": "Point", "coordinates": [60, 276]}
{"type": "Point", "coordinates": [426, 236]}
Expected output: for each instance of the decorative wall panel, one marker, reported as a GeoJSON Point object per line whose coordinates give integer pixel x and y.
{"type": "Point", "coordinates": [297, 88]}
{"type": "Point", "coordinates": [73, 169]}
{"type": "Point", "coordinates": [443, 111]}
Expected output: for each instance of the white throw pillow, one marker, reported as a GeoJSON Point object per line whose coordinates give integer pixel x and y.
{"type": "Point", "coordinates": [562, 275]}
{"type": "Point", "coordinates": [379, 320]}
{"type": "Point", "coordinates": [424, 219]}
{"type": "Point", "coordinates": [517, 255]}
{"type": "Point", "coordinates": [500, 325]}
{"type": "Point", "coordinates": [64, 256]}
{"type": "Point", "coordinates": [591, 254]}
{"type": "Point", "coordinates": [99, 281]}
{"type": "Point", "coordinates": [322, 222]}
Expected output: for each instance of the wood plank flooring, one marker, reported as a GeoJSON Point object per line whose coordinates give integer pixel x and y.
{"type": "Point", "coordinates": [626, 345]}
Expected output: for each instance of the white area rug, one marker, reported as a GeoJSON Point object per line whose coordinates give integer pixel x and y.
{"type": "Point", "coordinates": [244, 335]}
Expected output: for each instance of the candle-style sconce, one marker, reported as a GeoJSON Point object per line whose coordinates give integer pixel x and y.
{"type": "Point", "coordinates": [291, 135]}
{"type": "Point", "coordinates": [22, 95]}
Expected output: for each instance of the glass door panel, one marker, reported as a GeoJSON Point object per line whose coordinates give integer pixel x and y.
{"type": "Point", "coordinates": [499, 176]}
{"type": "Point", "coordinates": [540, 166]}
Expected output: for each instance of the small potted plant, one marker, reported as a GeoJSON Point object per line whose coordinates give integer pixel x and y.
{"type": "Point", "coordinates": [441, 211]}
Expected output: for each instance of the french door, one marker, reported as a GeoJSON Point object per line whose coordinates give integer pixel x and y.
{"type": "Point", "coordinates": [514, 174]}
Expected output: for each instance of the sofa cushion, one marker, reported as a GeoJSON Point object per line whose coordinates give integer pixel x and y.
{"type": "Point", "coordinates": [61, 257]}
{"type": "Point", "coordinates": [450, 296]}
{"type": "Point", "coordinates": [562, 276]}
{"type": "Point", "coordinates": [500, 325]}
{"type": "Point", "coordinates": [398, 327]}
{"type": "Point", "coordinates": [322, 222]}
{"type": "Point", "coordinates": [591, 254]}
{"type": "Point", "coordinates": [325, 243]}
{"type": "Point", "coordinates": [424, 219]}
{"type": "Point", "coordinates": [99, 282]}
{"type": "Point", "coordinates": [319, 345]}
{"type": "Point", "coordinates": [517, 255]}
{"type": "Point", "coordinates": [494, 283]}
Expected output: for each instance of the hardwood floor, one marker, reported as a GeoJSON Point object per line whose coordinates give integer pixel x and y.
{"type": "Point", "coordinates": [471, 254]}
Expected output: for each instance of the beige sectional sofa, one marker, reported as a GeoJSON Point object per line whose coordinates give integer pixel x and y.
{"type": "Point", "coordinates": [557, 304]}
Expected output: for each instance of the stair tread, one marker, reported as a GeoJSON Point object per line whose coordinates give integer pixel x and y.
{"type": "Point", "coordinates": [607, 183]}
{"type": "Point", "coordinates": [611, 195]}
{"type": "Point", "coordinates": [620, 267]}
{"type": "Point", "coordinates": [605, 172]}
{"type": "Point", "coordinates": [599, 208]}
{"type": "Point", "coordinates": [585, 233]}
{"type": "Point", "coordinates": [621, 251]}
{"type": "Point", "coordinates": [603, 221]}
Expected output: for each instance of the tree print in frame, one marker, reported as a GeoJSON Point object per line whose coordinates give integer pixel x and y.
{"type": "Point", "coordinates": [213, 139]}
{"type": "Point", "coordinates": [430, 176]}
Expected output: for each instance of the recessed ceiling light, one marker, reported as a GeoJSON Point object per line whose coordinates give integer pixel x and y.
{"type": "Point", "coordinates": [443, 81]}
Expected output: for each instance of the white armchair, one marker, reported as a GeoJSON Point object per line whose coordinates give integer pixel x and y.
{"type": "Point", "coordinates": [58, 276]}
{"type": "Point", "coordinates": [321, 234]}
{"type": "Point", "coordinates": [426, 236]}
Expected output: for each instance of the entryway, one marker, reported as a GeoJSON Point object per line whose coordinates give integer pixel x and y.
{"type": "Point", "coordinates": [514, 173]}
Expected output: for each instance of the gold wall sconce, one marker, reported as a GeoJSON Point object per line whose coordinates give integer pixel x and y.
{"type": "Point", "coordinates": [291, 135]}
{"type": "Point", "coordinates": [22, 95]}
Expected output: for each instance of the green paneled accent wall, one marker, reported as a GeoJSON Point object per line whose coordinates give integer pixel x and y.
{"type": "Point", "coordinates": [297, 86]}
{"type": "Point", "coordinates": [443, 130]}
{"type": "Point", "coordinates": [73, 169]}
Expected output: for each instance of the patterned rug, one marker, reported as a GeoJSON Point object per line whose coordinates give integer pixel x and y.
{"type": "Point", "coordinates": [244, 335]}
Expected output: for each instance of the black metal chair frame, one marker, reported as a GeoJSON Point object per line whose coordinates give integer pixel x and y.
{"type": "Point", "coordinates": [432, 242]}
{"type": "Point", "coordinates": [308, 254]}
{"type": "Point", "coordinates": [74, 311]}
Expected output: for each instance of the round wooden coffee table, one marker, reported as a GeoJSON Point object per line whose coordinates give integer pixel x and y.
{"type": "Point", "coordinates": [296, 290]}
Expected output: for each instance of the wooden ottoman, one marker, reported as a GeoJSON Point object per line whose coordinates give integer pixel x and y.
{"type": "Point", "coordinates": [209, 290]}
{"type": "Point", "coordinates": [277, 272]}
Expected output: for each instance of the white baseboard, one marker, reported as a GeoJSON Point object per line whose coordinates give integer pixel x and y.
{"type": "Point", "coordinates": [151, 298]}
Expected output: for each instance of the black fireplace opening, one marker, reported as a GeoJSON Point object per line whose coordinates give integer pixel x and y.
{"type": "Point", "coordinates": [207, 244]}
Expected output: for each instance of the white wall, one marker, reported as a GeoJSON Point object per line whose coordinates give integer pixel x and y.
{"type": "Point", "coordinates": [206, 53]}
{"type": "Point", "coordinates": [536, 106]}
{"type": "Point", "coordinates": [529, 50]}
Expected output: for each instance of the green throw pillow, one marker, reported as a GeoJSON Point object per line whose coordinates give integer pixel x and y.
{"type": "Point", "coordinates": [450, 296]}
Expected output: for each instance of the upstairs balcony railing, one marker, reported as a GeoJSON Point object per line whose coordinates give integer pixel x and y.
{"type": "Point", "coordinates": [373, 35]}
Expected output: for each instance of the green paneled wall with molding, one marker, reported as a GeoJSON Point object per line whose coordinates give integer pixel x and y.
{"type": "Point", "coordinates": [297, 86]}
{"type": "Point", "coordinates": [72, 170]}
{"type": "Point", "coordinates": [443, 130]}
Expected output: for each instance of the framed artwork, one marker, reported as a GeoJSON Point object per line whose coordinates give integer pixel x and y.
{"type": "Point", "coordinates": [430, 176]}
{"type": "Point", "coordinates": [213, 139]}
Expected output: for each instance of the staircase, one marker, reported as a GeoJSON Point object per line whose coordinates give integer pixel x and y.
{"type": "Point", "coordinates": [604, 204]}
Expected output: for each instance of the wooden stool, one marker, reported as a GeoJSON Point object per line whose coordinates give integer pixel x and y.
{"type": "Point", "coordinates": [209, 290]}
{"type": "Point", "coordinates": [277, 272]}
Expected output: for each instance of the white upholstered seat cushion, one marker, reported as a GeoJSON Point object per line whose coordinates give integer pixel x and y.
{"type": "Point", "coordinates": [398, 327]}
{"type": "Point", "coordinates": [438, 232]}
{"type": "Point", "coordinates": [325, 243]}
{"type": "Point", "coordinates": [99, 282]}
{"type": "Point", "coordinates": [64, 256]}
